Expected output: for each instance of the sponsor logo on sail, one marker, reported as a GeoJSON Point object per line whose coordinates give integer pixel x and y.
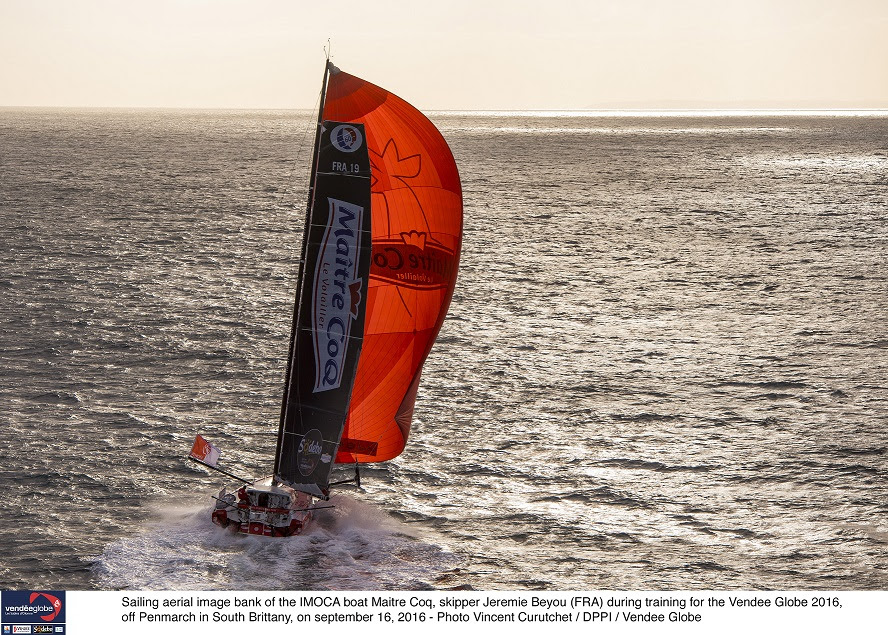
{"type": "Point", "coordinates": [346, 138]}
{"type": "Point", "coordinates": [336, 292]}
{"type": "Point", "coordinates": [412, 261]}
{"type": "Point", "coordinates": [309, 452]}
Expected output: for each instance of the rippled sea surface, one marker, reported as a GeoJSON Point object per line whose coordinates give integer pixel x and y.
{"type": "Point", "coordinates": [665, 365]}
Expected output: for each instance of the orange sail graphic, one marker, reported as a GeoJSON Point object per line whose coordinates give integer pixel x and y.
{"type": "Point", "coordinates": [416, 209]}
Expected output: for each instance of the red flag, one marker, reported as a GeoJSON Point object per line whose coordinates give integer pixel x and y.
{"type": "Point", "coordinates": [204, 451]}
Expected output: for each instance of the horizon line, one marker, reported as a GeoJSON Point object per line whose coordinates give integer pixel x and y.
{"type": "Point", "coordinates": [509, 111]}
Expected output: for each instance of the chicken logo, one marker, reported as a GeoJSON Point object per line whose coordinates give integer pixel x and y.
{"type": "Point", "coordinates": [410, 259]}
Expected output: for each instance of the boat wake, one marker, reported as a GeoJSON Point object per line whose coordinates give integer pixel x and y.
{"type": "Point", "coordinates": [352, 547]}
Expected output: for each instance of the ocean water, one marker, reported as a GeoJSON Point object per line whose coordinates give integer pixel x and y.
{"type": "Point", "coordinates": [665, 365]}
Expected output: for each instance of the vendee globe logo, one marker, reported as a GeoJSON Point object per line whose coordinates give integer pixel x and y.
{"type": "Point", "coordinates": [346, 138]}
{"type": "Point", "coordinates": [33, 607]}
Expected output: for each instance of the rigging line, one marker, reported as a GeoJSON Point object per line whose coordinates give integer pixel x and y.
{"type": "Point", "coordinates": [290, 190]}
{"type": "Point", "coordinates": [292, 374]}
{"type": "Point", "coordinates": [219, 469]}
{"type": "Point", "coordinates": [299, 159]}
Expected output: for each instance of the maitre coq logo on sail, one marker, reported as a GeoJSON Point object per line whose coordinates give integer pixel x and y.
{"type": "Point", "coordinates": [412, 260]}
{"type": "Point", "coordinates": [336, 292]}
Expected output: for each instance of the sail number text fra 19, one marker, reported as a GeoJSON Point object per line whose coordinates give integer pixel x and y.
{"type": "Point", "coordinates": [338, 166]}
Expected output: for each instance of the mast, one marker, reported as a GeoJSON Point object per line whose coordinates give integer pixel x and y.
{"type": "Point", "coordinates": [299, 280]}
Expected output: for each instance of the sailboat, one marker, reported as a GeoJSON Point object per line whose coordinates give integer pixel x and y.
{"type": "Point", "coordinates": [379, 259]}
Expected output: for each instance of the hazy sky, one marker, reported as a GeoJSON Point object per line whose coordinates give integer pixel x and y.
{"type": "Point", "coordinates": [448, 54]}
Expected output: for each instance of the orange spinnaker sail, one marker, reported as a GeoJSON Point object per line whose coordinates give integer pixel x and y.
{"type": "Point", "coordinates": [416, 208]}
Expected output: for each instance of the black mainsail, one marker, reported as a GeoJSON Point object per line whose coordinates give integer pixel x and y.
{"type": "Point", "coordinates": [328, 326]}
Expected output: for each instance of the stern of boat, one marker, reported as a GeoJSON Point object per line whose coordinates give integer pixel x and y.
{"type": "Point", "coordinates": [263, 509]}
